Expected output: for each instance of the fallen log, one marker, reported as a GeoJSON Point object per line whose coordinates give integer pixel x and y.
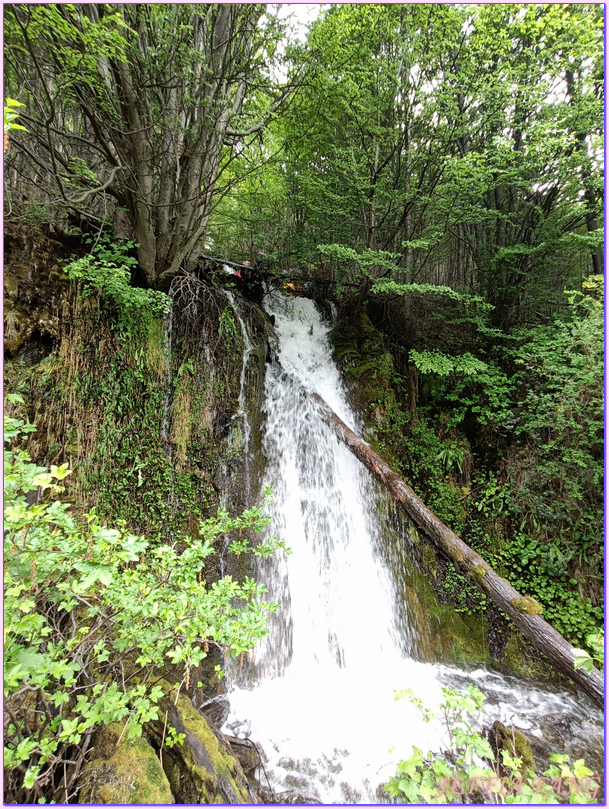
{"type": "Point", "coordinates": [524, 611]}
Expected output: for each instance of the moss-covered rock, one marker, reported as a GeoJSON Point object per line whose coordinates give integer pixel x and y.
{"type": "Point", "coordinates": [203, 769]}
{"type": "Point", "coordinates": [428, 557]}
{"type": "Point", "coordinates": [443, 634]}
{"type": "Point", "coordinates": [516, 744]}
{"type": "Point", "coordinates": [522, 658]}
{"type": "Point", "coordinates": [125, 772]}
{"type": "Point", "coordinates": [440, 633]}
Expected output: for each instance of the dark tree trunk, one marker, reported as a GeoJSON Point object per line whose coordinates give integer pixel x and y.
{"type": "Point", "coordinates": [524, 611]}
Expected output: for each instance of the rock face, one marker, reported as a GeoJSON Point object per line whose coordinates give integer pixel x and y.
{"type": "Point", "coordinates": [129, 772]}
{"type": "Point", "coordinates": [202, 770]}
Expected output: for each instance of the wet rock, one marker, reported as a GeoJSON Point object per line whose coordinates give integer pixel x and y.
{"type": "Point", "coordinates": [241, 728]}
{"type": "Point", "coordinates": [125, 772]}
{"type": "Point", "coordinates": [35, 349]}
{"type": "Point", "coordinates": [515, 743]}
{"type": "Point", "coordinates": [246, 753]}
{"type": "Point", "coordinates": [202, 770]}
{"type": "Point", "coordinates": [288, 798]}
{"type": "Point", "coordinates": [216, 710]}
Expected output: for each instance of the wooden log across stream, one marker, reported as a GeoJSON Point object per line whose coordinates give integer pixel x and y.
{"type": "Point", "coordinates": [524, 611]}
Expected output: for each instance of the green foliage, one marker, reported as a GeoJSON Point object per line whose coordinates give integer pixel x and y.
{"type": "Point", "coordinates": [560, 411]}
{"type": "Point", "coordinates": [485, 395]}
{"type": "Point", "coordinates": [91, 612]}
{"type": "Point", "coordinates": [411, 445]}
{"type": "Point", "coordinates": [552, 492]}
{"type": "Point", "coordinates": [544, 403]}
{"type": "Point", "coordinates": [467, 770]}
{"type": "Point", "coordinates": [434, 362]}
{"type": "Point", "coordinates": [227, 325]}
{"type": "Point", "coordinates": [106, 271]}
{"type": "Point", "coordinates": [539, 521]}
{"type": "Point", "coordinates": [465, 596]}
{"type": "Point", "coordinates": [11, 114]}
{"type": "Point", "coordinates": [429, 144]}
{"type": "Point", "coordinates": [173, 737]}
{"type": "Point", "coordinates": [468, 385]}
{"type": "Point", "coordinates": [366, 264]}
{"type": "Point", "coordinates": [451, 455]}
{"type": "Point", "coordinates": [423, 460]}
{"type": "Point", "coordinates": [540, 569]}
{"type": "Point", "coordinates": [585, 661]}
{"type": "Point", "coordinates": [390, 287]}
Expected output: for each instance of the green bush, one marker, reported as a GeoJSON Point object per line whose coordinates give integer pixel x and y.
{"type": "Point", "coordinates": [107, 271]}
{"type": "Point", "coordinates": [467, 769]}
{"type": "Point", "coordinates": [540, 570]}
{"type": "Point", "coordinates": [91, 613]}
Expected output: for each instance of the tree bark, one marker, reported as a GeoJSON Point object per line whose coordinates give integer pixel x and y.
{"type": "Point", "coordinates": [522, 610]}
{"type": "Point", "coordinates": [597, 254]}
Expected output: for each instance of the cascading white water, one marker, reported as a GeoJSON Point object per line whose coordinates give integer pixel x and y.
{"type": "Point", "coordinates": [319, 697]}
{"type": "Point", "coordinates": [167, 356]}
{"type": "Point", "coordinates": [242, 412]}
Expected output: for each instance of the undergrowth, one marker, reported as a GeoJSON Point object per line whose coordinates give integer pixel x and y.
{"type": "Point", "coordinates": [504, 447]}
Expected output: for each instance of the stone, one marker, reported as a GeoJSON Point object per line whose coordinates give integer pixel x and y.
{"type": "Point", "coordinates": [515, 743]}
{"type": "Point", "coordinates": [247, 754]}
{"type": "Point", "coordinates": [125, 772]}
{"type": "Point", "coordinates": [202, 770]}
{"type": "Point", "coordinates": [216, 710]}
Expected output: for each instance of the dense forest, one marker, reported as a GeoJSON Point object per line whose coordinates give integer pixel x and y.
{"type": "Point", "coordinates": [435, 172]}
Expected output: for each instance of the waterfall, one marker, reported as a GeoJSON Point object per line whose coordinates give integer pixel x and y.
{"type": "Point", "coordinates": [319, 698]}
{"type": "Point", "coordinates": [242, 410]}
{"type": "Point", "coordinates": [168, 359]}
{"type": "Point", "coordinates": [165, 424]}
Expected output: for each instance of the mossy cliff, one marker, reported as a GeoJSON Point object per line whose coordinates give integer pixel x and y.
{"type": "Point", "coordinates": [433, 630]}
{"type": "Point", "coordinates": [144, 408]}
{"type": "Point", "coordinates": [148, 410]}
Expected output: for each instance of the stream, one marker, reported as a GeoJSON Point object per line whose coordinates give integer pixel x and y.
{"type": "Point", "coordinates": [319, 697]}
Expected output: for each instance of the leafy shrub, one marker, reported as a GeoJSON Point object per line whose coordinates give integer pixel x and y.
{"type": "Point", "coordinates": [540, 570]}
{"type": "Point", "coordinates": [90, 613]}
{"type": "Point", "coordinates": [107, 271]}
{"type": "Point", "coordinates": [585, 661]}
{"type": "Point", "coordinates": [467, 770]}
{"type": "Point", "coordinates": [559, 415]}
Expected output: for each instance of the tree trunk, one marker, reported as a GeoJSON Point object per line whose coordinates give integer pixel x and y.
{"type": "Point", "coordinates": [597, 254]}
{"type": "Point", "coordinates": [523, 611]}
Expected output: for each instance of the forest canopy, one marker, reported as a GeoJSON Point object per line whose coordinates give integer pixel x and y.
{"type": "Point", "coordinates": [466, 141]}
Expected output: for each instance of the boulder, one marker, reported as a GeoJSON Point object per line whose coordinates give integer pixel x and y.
{"type": "Point", "coordinates": [129, 772]}
{"type": "Point", "coordinates": [516, 744]}
{"type": "Point", "coordinates": [247, 754]}
{"type": "Point", "coordinates": [216, 710]}
{"type": "Point", "coordinates": [201, 770]}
